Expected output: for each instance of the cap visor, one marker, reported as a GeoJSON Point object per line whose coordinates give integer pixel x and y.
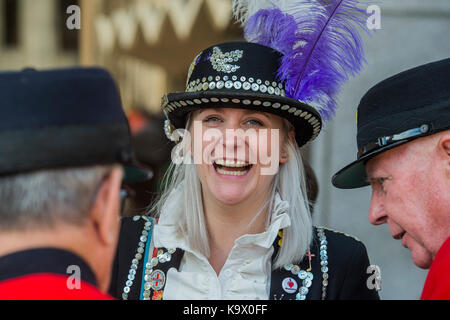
{"type": "Point", "coordinates": [354, 175]}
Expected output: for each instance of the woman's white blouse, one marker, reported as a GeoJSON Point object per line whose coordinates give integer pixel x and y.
{"type": "Point", "coordinates": [245, 274]}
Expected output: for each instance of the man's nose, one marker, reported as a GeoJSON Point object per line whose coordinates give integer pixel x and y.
{"type": "Point", "coordinates": [377, 213]}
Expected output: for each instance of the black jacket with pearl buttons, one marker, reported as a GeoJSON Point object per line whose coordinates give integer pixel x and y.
{"type": "Point", "coordinates": [346, 275]}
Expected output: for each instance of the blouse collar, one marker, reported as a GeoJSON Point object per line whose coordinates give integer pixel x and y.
{"type": "Point", "coordinates": [167, 236]}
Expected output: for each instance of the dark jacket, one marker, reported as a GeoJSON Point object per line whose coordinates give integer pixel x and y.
{"type": "Point", "coordinates": [346, 256]}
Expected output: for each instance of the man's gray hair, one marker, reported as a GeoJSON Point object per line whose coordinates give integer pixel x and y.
{"type": "Point", "coordinates": [42, 198]}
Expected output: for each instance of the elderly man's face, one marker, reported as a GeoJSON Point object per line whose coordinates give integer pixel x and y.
{"type": "Point", "coordinates": [410, 192]}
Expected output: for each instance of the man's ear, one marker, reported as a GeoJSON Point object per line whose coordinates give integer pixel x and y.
{"type": "Point", "coordinates": [105, 212]}
{"type": "Point", "coordinates": [444, 150]}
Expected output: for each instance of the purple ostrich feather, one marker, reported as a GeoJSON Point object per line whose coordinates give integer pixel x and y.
{"type": "Point", "coordinates": [321, 45]}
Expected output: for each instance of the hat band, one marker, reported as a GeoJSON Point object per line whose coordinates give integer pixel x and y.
{"type": "Point", "coordinates": [312, 119]}
{"type": "Point", "coordinates": [387, 140]}
{"type": "Point", "coordinates": [235, 83]}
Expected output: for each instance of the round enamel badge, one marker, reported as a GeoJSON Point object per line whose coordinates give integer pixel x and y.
{"type": "Point", "coordinates": [157, 280]}
{"type": "Point", "coordinates": [289, 285]}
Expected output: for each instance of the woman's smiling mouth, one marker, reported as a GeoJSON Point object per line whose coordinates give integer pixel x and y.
{"type": "Point", "coordinates": [234, 168]}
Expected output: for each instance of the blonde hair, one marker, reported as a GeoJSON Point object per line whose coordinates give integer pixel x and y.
{"type": "Point", "coordinates": [289, 182]}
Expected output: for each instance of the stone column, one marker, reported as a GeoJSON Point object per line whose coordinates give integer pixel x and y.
{"type": "Point", "coordinates": [413, 32]}
{"type": "Point", "coordinates": [38, 32]}
{"type": "Point", "coordinates": [87, 38]}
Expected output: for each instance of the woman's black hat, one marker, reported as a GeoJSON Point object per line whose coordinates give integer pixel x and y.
{"type": "Point", "coordinates": [240, 75]}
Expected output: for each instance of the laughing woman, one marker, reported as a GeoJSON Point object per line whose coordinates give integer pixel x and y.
{"type": "Point", "coordinates": [233, 221]}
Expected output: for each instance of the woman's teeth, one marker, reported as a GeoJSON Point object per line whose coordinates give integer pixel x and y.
{"type": "Point", "coordinates": [231, 173]}
{"type": "Point", "coordinates": [231, 167]}
{"type": "Point", "coordinates": [231, 163]}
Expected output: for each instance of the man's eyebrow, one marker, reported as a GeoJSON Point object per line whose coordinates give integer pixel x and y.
{"type": "Point", "coordinates": [369, 179]}
{"type": "Point", "coordinates": [372, 176]}
{"type": "Point", "coordinates": [377, 178]}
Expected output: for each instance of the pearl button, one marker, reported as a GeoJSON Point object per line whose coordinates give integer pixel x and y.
{"type": "Point", "coordinates": [228, 273]}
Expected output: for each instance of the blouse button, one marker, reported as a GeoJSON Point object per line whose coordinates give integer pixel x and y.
{"type": "Point", "coordinates": [228, 273]}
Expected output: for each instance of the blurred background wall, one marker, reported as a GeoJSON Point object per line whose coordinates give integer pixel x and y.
{"type": "Point", "coordinates": [148, 45]}
{"type": "Point", "coordinates": [34, 34]}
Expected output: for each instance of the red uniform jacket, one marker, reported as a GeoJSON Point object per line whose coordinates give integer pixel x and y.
{"type": "Point", "coordinates": [47, 274]}
{"type": "Point", "coordinates": [437, 285]}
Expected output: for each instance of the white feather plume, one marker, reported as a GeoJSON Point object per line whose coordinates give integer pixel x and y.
{"type": "Point", "coordinates": [244, 9]}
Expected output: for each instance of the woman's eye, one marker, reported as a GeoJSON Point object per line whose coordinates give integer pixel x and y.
{"type": "Point", "coordinates": [211, 119]}
{"type": "Point", "coordinates": [254, 122]}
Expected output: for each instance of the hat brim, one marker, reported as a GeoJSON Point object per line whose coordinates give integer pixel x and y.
{"type": "Point", "coordinates": [305, 119]}
{"type": "Point", "coordinates": [354, 175]}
